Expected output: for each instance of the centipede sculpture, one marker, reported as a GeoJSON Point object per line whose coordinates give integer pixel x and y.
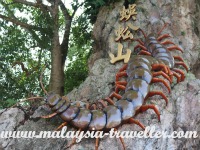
{"type": "Point", "coordinates": [141, 71]}
{"type": "Point", "coordinates": [154, 59]}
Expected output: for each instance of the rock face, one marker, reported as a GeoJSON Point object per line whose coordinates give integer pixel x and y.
{"type": "Point", "coordinates": [182, 112]}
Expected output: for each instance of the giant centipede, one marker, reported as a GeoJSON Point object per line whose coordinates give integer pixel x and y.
{"type": "Point", "coordinates": [154, 60]}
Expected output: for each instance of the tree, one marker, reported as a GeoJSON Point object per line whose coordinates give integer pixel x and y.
{"type": "Point", "coordinates": [30, 37]}
{"type": "Point", "coordinates": [45, 30]}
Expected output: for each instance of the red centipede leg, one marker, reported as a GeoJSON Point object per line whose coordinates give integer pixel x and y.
{"type": "Point", "coordinates": [143, 108]}
{"type": "Point", "coordinates": [49, 116]}
{"type": "Point", "coordinates": [170, 74]}
{"type": "Point", "coordinates": [178, 58]}
{"type": "Point", "coordinates": [121, 83]}
{"type": "Point", "coordinates": [110, 101]}
{"type": "Point", "coordinates": [78, 104]}
{"type": "Point", "coordinates": [182, 64]}
{"type": "Point", "coordinates": [175, 48]}
{"type": "Point", "coordinates": [73, 140]}
{"type": "Point", "coordinates": [154, 80]}
{"type": "Point", "coordinates": [87, 105]}
{"type": "Point", "coordinates": [120, 74]}
{"type": "Point", "coordinates": [163, 36]}
{"type": "Point", "coordinates": [164, 26]}
{"type": "Point", "coordinates": [180, 72]}
{"type": "Point", "coordinates": [177, 76]}
{"type": "Point", "coordinates": [122, 87]}
{"type": "Point", "coordinates": [61, 126]}
{"type": "Point", "coordinates": [114, 94]}
{"type": "Point", "coordinates": [140, 46]}
{"type": "Point", "coordinates": [97, 143]}
{"type": "Point", "coordinates": [142, 32]}
{"type": "Point", "coordinates": [122, 140]}
{"type": "Point", "coordinates": [134, 121]}
{"type": "Point", "coordinates": [93, 107]}
{"type": "Point", "coordinates": [155, 74]}
{"type": "Point", "coordinates": [102, 103]}
{"type": "Point", "coordinates": [123, 68]}
{"type": "Point", "coordinates": [140, 41]}
{"type": "Point", "coordinates": [152, 93]}
{"type": "Point", "coordinates": [167, 42]}
{"type": "Point", "coordinates": [143, 52]}
{"type": "Point", "coordinates": [159, 67]}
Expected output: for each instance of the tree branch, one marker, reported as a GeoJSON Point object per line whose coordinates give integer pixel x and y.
{"type": "Point", "coordinates": [8, 9]}
{"type": "Point", "coordinates": [29, 28]}
{"type": "Point", "coordinates": [39, 4]}
{"type": "Point", "coordinates": [15, 21]}
{"type": "Point", "coordinates": [26, 3]}
{"type": "Point", "coordinates": [22, 24]}
{"type": "Point", "coordinates": [78, 6]}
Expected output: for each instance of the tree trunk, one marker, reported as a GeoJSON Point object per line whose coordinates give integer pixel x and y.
{"type": "Point", "coordinates": [57, 71]}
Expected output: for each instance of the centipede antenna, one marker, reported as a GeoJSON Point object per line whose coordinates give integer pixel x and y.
{"type": "Point", "coordinates": [27, 99]}
{"type": "Point", "coordinates": [165, 25]}
{"type": "Point", "coordinates": [41, 77]}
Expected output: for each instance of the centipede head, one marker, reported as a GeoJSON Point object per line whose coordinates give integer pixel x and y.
{"type": "Point", "coordinates": [52, 99]}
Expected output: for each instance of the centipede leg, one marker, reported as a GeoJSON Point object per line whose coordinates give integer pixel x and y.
{"type": "Point", "coordinates": [152, 93]}
{"type": "Point", "coordinates": [164, 26]}
{"type": "Point", "coordinates": [142, 32]}
{"type": "Point", "coordinates": [167, 42]}
{"type": "Point", "coordinates": [154, 80]}
{"type": "Point", "coordinates": [61, 126]}
{"type": "Point", "coordinates": [87, 105]}
{"type": "Point", "coordinates": [120, 74]}
{"type": "Point", "coordinates": [175, 48]}
{"type": "Point", "coordinates": [122, 140]}
{"type": "Point", "coordinates": [114, 94]}
{"type": "Point", "coordinates": [163, 36]}
{"type": "Point", "coordinates": [143, 52]}
{"type": "Point", "coordinates": [121, 83]}
{"type": "Point", "coordinates": [102, 103]}
{"type": "Point", "coordinates": [159, 67]}
{"type": "Point", "coordinates": [140, 41]}
{"type": "Point", "coordinates": [134, 121]}
{"type": "Point", "coordinates": [143, 108]}
{"type": "Point", "coordinates": [178, 58]}
{"type": "Point", "coordinates": [49, 116]}
{"type": "Point", "coordinates": [110, 101]}
{"type": "Point", "coordinates": [180, 72]}
{"type": "Point", "coordinates": [122, 87]}
{"type": "Point", "coordinates": [140, 46]}
{"type": "Point", "coordinates": [177, 76]}
{"type": "Point", "coordinates": [73, 140]}
{"type": "Point", "coordinates": [124, 67]}
{"type": "Point", "coordinates": [97, 143]}
{"type": "Point", "coordinates": [182, 64]}
{"type": "Point", "coordinates": [155, 74]}
{"type": "Point", "coordinates": [93, 107]}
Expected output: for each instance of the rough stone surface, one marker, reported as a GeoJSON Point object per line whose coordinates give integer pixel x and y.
{"type": "Point", "coordinates": [182, 112]}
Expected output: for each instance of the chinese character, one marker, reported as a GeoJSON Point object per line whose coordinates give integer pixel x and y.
{"type": "Point", "coordinates": [126, 14]}
{"type": "Point", "coordinates": [126, 56]}
{"type": "Point", "coordinates": [133, 27]}
{"type": "Point", "coordinates": [122, 33]}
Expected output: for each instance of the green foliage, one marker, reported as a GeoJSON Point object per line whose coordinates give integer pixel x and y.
{"type": "Point", "coordinates": [183, 33]}
{"type": "Point", "coordinates": [92, 8]}
{"type": "Point", "coordinates": [79, 51]}
{"type": "Point", "coordinates": [7, 103]}
{"type": "Point", "coordinates": [17, 46]}
{"type": "Point", "coordinates": [76, 73]}
{"type": "Point", "coordinates": [32, 48]}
